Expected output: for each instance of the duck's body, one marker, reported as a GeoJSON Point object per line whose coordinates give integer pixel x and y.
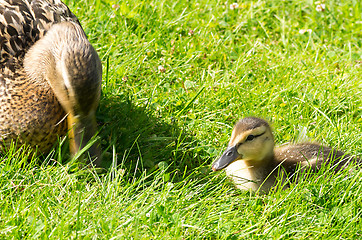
{"type": "Point", "coordinates": [50, 76]}
{"type": "Point", "coordinates": [253, 163]}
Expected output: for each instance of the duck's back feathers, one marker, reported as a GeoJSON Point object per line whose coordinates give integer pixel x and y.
{"type": "Point", "coordinates": [23, 22]}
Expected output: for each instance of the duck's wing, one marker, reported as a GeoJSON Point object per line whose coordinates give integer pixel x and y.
{"type": "Point", "coordinates": [23, 22]}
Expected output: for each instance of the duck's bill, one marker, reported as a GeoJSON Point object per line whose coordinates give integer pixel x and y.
{"type": "Point", "coordinates": [82, 141]}
{"type": "Point", "coordinates": [230, 155]}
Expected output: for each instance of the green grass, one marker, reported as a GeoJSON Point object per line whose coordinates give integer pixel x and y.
{"type": "Point", "coordinates": [164, 128]}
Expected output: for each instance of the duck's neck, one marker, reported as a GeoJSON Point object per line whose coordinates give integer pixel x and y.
{"type": "Point", "coordinates": [65, 60]}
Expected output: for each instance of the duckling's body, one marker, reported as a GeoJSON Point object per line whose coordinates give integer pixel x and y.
{"type": "Point", "coordinates": [50, 76]}
{"type": "Point", "coordinates": [253, 163]}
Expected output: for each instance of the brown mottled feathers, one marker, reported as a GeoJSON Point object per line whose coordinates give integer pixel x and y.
{"type": "Point", "coordinates": [29, 112]}
{"type": "Point", "coordinates": [23, 22]}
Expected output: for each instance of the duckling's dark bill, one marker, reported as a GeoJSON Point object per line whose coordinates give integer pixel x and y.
{"type": "Point", "coordinates": [229, 156]}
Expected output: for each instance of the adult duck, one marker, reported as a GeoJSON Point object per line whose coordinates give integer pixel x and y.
{"type": "Point", "coordinates": [50, 77]}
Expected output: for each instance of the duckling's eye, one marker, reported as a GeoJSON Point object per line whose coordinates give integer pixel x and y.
{"type": "Point", "coordinates": [250, 138]}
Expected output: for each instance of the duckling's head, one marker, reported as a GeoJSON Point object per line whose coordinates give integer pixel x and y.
{"type": "Point", "coordinates": [251, 141]}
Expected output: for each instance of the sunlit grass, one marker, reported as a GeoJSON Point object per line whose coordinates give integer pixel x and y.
{"type": "Point", "coordinates": [176, 76]}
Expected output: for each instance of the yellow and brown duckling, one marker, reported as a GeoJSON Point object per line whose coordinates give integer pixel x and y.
{"type": "Point", "coordinates": [50, 77]}
{"type": "Point", "coordinates": [254, 164]}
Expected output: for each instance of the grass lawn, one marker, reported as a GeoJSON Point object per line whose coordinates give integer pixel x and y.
{"type": "Point", "coordinates": [177, 75]}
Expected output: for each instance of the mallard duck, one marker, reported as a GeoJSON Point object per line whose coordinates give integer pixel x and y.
{"type": "Point", "coordinates": [254, 164]}
{"type": "Point", "coordinates": [50, 77]}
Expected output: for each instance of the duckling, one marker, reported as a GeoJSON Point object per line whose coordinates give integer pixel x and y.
{"type": "Point", "coordinates": [50, 77]}
{"type": "Point", "coordinates": [254, 164]}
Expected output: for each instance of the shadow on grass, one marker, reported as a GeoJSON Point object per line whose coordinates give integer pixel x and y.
{"type": "Point", "coordinates": [143, 141]}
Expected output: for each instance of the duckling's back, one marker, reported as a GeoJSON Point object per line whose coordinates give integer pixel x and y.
{"type": "Point", "coordinates": [312, 156]}
{"type": "Point", "coordinates": [29, 111]}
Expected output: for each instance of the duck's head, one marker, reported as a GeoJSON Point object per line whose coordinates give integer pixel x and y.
{"type": "Point", "coordinates": [251, 141]}
{"type": "Point", "coordinates": [66, 60]}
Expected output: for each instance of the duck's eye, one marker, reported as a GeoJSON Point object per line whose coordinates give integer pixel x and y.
{"type": "Point", "coordinates": [250, 138]}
